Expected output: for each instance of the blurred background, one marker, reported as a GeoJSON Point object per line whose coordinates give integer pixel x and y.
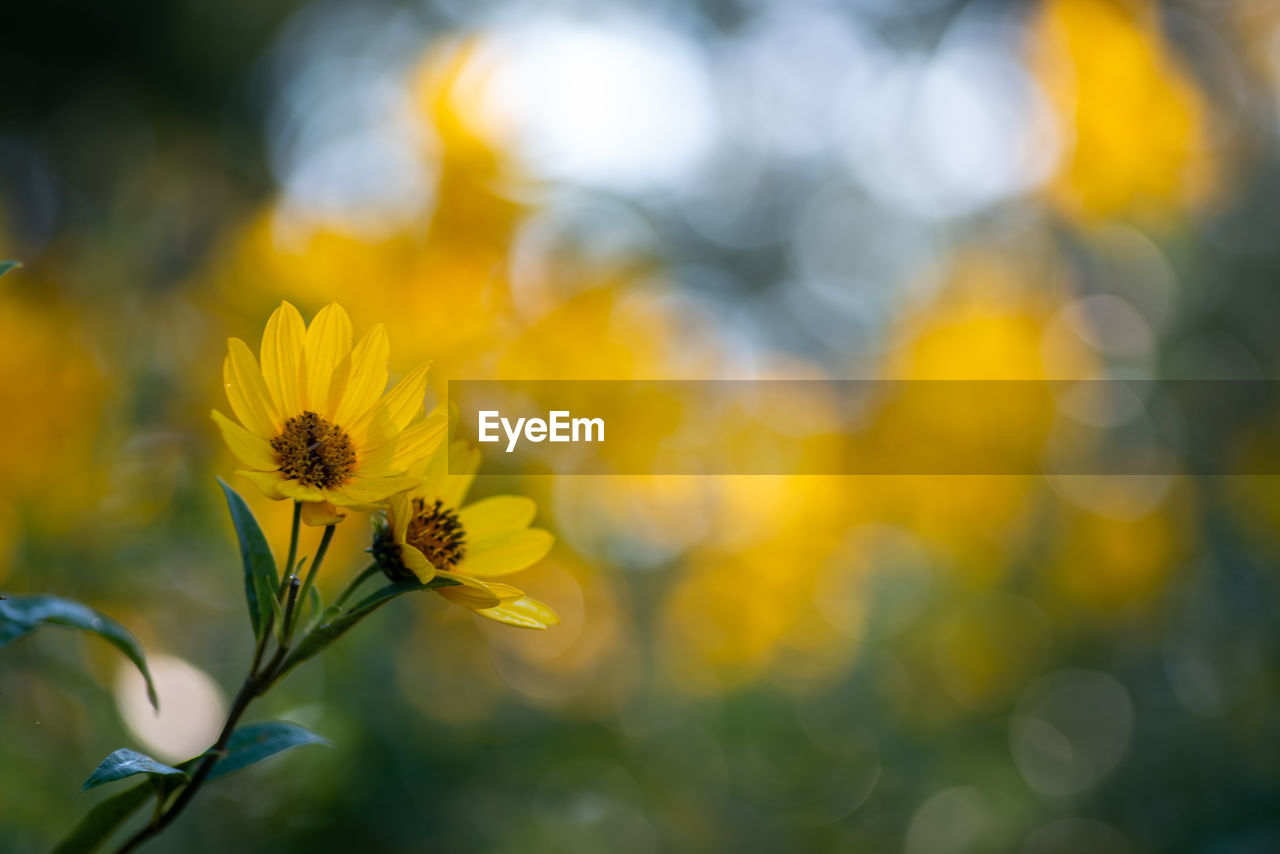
{"type": "Point", "coordinates": [722, 189]}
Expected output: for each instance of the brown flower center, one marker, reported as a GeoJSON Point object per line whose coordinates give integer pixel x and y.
{"type": "Point", "coordinates": [315, 452]}
{"type": "Point", "coordinates": [436, 532]}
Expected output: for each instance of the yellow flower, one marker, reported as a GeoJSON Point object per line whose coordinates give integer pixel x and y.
{"type": "Point", "coordinates": [1102, 64]}
{"type": "Point", "coordinates": [427, 536]}
{"type": "Point", "coordinates": [317, 427]}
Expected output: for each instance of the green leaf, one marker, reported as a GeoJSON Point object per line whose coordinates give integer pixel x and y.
{"type": "Point", "coordinates": [260, 579]}
{"type": "Point", "coordinates": [6, 266]}
{"type": "Point", "coordinates": [125, 763]}
{"type": "Point", "coordinates": [101, 821]}
{"type": "Point", "coordinates": [23, 614]}
{"type": "Point", "coordinates": [315, 604]}
{"type": "Point", "coordinates": [254, 742]}
{"type": "Point", "coordinates": [326, 616]}
{"type": "Point", "coordinates": [332, 628]}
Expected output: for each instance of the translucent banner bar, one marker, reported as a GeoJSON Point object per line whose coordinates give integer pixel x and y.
{"type": "Point", "coordinates": [872, 427]}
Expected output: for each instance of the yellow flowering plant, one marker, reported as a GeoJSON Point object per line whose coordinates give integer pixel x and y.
{"type": "Point", "coordinates": [427, 533]}
{"type": "Point", "coordinates": [314, 425]}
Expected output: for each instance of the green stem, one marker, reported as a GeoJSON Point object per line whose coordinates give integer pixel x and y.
{"type": "Point", "coordinates": [261, 648]}
{"type": "Point", "coordinates": [367, 573]}
{"type": "Point", "coordinates": [325, 539]}
{"type": "Point", "coordinates": [254, 685]}
{"type": "Point", "coordinates": [293, 545]}
{"type": "Point", "coordinates": [248, 691]}
{"type": "Point", "coordinates": [289, 604]}
{"type": "Point", "coordinates": [271, 672]}
{"type": "Point", "coordinates": [261, 677]}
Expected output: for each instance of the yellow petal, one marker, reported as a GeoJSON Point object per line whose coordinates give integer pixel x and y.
{"type": "Point", "coordinates": [537, 609]}
{"type": "Point", "coordinates": [447, 410]}
{"type": "Point", "coordinates": [250, 400]}
{"type": "Point", "coordinates": [328, 341]}
{"type": "Point", "coordinates": [525, 613]}
{"type": "Point", "coordinates": [251, 449]}
{"type": "Point", "coordinates": [420, 441]}
{"type": "Point", "coordinates": [469, 593]}
{"type": "Point", "coordinates": [436, 471]}
{"type": "Point", "coordinates": [399, 511]}
{"type": "Point", "coordinates": [319, 514]}
{"type": "Point", "coordinates": [299, 491]}
{"type": "Point", "coordinates": [502, 555]}
{"type": "Point", "coordinates": [270, 483]}
{"type": "Point", "coordinates": [396, 408]}
{"type": "Point", "coordinates": [405, 399]}
{"type": "Point", "coordinates": [405, 451]}
{"type": "Point", "coordinates": [505, 592]}
{"type": "Point", "coordinates": [500, 514]}
{"type": "Point", "coordinates": [464, 460]}
{"type": "Point", "coordinates": [504, 614]}
{"type": "Point", "coordinates": [417, 563]}
{"type": "Point", "coordinates": [282, 343]}
{"type": "Point", "coordinates": [366, 378]}
{"type": "Point", "coordinates": [364, 491]}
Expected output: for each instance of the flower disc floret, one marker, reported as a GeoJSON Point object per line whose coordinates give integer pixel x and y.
{"type": "Point", "coordinates": [311, 450]}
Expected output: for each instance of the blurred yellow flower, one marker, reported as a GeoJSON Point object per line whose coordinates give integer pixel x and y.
{"type": "Point", "coordinates": [317, 427]}
{"type": "Point", "coordinates": [786, 602]}
{"type": "Point", "coordinates": [1105, 66]}
{"type": "Point", "coordinates": [429, 534]}
{"type": "Point", "coordinates": [988, 323]}
{"type": "Point", "coordinates": [48, 375]}
{"type": "Point", "coordinates": [1110, 565]}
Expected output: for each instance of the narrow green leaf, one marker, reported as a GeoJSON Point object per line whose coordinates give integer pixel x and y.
{"type": "Point", "coordinates": [6, 266]}
{"type": "Point", "coordinates": [332, 628]}
{"type": "Point", "coordinates": [22, 614]}
{"type": "Point", "coordinates": [277, 621]}
{"type": "Point", "coordinates": [125, 763]}
{"type": "Point", "coordinates": [254, 742]}
{"type": "Point", "coordinates": [101, 821]}
{"type": "Point", "coordinates": [326, 616]}
{"type": "Point", "coordinates": [260, 579]}
{"type": "Point", "coordinates": [315, 604]}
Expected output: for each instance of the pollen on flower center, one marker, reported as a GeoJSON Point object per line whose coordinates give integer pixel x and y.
{"type": "Point", "coordinates": [436, 532]}
{"type": "Point", "coordinates": [315, 452]}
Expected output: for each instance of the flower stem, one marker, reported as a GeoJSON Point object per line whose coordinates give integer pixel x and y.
{"type": "Point", "coordinates": [368, 572]}
{"type": "Point", "coordinates": [293, 544]}
{"type": "Point", "coordinates": [251, 688]}
{"type": "Point", "coordinates": [261, 677]}
{"type": "Point", "coordinates": [311, 578]}
{"type": "Point", "coordinates": [290, 602]}
{"type": "Point", "coordinates": [261, 648]}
